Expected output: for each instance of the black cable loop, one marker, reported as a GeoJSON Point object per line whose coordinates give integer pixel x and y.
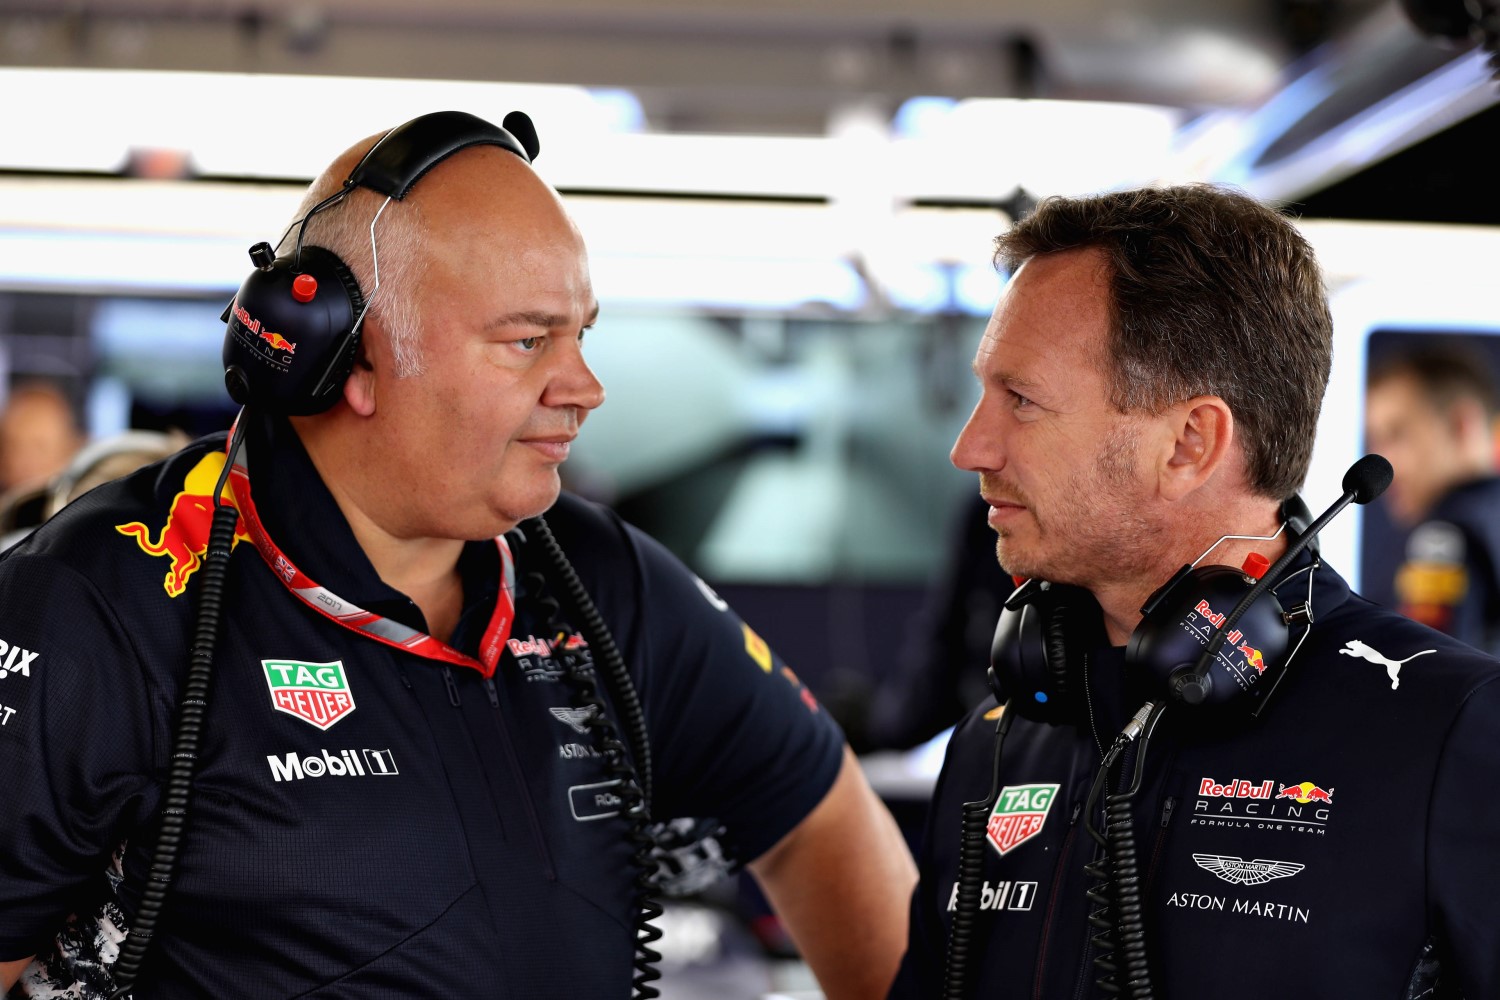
{"type": "Point", "coordinates": [1102, 894]}
{"type": "Point", "coordinates": [1129, 911]}
{"type": "Point", "coordinates": [961, 943]}
{"type": "Point", "coordinates": [1102, 919]}
{"type": "Point", "coordinates": [607, 654]}
{"type": "Point", "coordinates": [1119, 909]}
{"type": "Point", "coordinates": [635, 794]}
{"type": "Point", "coordinates": [184, 759]}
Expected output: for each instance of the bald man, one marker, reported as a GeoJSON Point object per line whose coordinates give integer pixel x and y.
{"type": "Point", "coordinates": [414, 779]}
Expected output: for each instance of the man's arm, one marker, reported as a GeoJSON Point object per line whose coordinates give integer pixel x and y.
{"type": "Point", "coordinates": [10, 972]}
{"type": "Point", "coordinates": [841, 881]}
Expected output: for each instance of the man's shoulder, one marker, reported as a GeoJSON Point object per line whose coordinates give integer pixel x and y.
{"type": "Point", "coordinates": [1470, 508]}
{"type": "Point", "coordinates": [593, 534]}
{"type": "Point", "coordinates": [1368, 633]}
{"type": "Point", "coordinates": [574, 514]}
{"type": "Point", "coordinates": [966, 747]}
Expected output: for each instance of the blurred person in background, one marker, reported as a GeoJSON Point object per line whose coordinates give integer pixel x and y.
{"type": "Point", "coordinates": [38, 435]}
{"type": "Point", "coordinates": [1431, 412]}
{"type": "Point", "coordinates": [98, 462]}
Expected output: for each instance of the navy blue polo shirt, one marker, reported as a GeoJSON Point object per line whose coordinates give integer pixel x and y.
{"type": "Point", "coordinates": [1347, 844]}
{"type": "Point", "coordinates": [365, 822]}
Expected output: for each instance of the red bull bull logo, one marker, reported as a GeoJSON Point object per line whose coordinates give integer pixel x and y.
{"type": "Point", "coordinates": [1306, 792]}
{"type": "Point", "coordinates": [277, 341]}
{"type": "Point", "coordinates": [184, 536]}
{"type": "Point", "coordinates": [1253, 657]}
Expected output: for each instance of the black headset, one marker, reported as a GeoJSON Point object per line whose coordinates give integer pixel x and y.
{"type": "Point", "coordinates": [1212, 638]}
{"type": "Point", "coordinates": [1046, 628]}
{"type": "Point", "coordinates": [294, 326]}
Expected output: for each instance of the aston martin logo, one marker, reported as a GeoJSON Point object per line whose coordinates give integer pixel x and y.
{"type": "Point", "coordinates": [1242, 872]}
{"type": "Point", "coordinates": [577, 718]}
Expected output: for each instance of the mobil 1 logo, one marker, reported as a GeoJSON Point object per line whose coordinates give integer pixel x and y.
{"type": "Point", "coordinates": [364, 763]}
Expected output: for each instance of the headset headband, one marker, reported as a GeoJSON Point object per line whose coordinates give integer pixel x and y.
{"type": "Point", "coordinates": [294, 326]}
{"type": "Point", "coordinates": [405, 153]}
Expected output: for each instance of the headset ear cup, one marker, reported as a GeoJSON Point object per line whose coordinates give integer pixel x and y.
{"type": "Point", "coordinates": [1169, 641]}
{"type": "Point", "coordinates": [292, 336]}
{"type": "Point", "coordinates": [1055, 648]}
{"type": "Point", "coordinates": [344, 352]}
{"type": "Point", "coordinates": [1038, 650]}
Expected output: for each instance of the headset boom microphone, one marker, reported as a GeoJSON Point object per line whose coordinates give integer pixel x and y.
{"type": "Point", "coordinates": [1365, 480]}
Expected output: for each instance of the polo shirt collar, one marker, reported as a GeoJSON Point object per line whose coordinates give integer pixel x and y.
{"type": "Point", "coordinates": [304, 520]}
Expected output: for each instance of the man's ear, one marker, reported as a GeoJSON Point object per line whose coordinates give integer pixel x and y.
{"type": "Point", "coordinates": [359, 387]}
{"type": "Point", "coordinates": [1201, 432]}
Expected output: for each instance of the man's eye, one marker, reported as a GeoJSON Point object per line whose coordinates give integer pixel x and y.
{"type": "Point", "coordinates": [529, 343]}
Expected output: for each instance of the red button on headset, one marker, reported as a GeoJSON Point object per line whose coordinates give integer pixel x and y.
{"type": "Point", "coordinates": [1255, 565]}
{"type": "Point", "coordinates": [304, 287]}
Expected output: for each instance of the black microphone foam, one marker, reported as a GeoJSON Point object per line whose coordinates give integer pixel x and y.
{"type": "Point", "coordinates": [1368, 478]}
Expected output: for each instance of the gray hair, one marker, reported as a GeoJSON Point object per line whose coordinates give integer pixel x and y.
{"type": "Point", "coordinates": [400, 241]}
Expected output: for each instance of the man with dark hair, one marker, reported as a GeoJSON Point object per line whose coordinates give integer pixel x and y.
{"type": "Point", "coordinates": [1300, 820]}
{"type": "Point", "coordinates": [1431, 413]}
{"type": "Point", "coordinates": [424, 774]}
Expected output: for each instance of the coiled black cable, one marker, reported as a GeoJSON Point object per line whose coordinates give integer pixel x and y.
{"type": "Point", "coordinates": [634, 792]}
{"type": "Point", "coordinates": [1126, 882]}
{"type": "Point", "coordinates": [1102, 919]}
{"type": "Point", "coordinates": [1119, 908]}
{"type": "Point", "coordinates": [600, 640]}
{"type": "Point", "coordinates": [194, 707]}
{"type": "Point", "coordinates": [971, 874]}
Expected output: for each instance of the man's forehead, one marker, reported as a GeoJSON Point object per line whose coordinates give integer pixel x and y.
{"type": "Point", "coordinates": [543, 319]}
{"type": "Point", "coordinates": [1399, 392]}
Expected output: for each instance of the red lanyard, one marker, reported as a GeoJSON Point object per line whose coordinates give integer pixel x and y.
{"type": "Point", "coordinates": [367, 623]}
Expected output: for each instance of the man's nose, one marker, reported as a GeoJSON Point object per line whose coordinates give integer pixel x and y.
{"type": "Point", "coordinates": [979, 448]}
{"type": "Point", "coordinates": [574, 383]}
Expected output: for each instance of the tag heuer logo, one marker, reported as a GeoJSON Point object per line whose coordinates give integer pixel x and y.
{"type": "Point", "coordinates": [1018, 815]}
{"type": "Point", "coordinates": [317, 693]}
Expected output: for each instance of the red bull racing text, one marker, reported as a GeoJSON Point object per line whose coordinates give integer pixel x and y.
{"type": "Point", "coordinates": [1301, 807]}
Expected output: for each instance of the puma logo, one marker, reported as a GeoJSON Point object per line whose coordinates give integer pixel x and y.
{"type": "Point", "coordinates": [1392, 667]}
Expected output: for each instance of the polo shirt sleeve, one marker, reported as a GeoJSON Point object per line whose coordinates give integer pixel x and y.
{"type": "Point", "coordinates": [76, 746]}
{"type": "Point", "coordinates": [1463, 846]}
{"type": "Point", "coordinates": [735, 733]}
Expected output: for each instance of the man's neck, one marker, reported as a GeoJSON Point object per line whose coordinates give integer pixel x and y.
{"type": "Point", "coordinates": [1121, 600]}
{"type": "Point", "coordinates": [424, 569]}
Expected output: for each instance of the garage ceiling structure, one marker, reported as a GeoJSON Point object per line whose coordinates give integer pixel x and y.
{"type": "Point", "coordinates": [793, 68]}
{"type": "Point", "coordinates": [776, 66]}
